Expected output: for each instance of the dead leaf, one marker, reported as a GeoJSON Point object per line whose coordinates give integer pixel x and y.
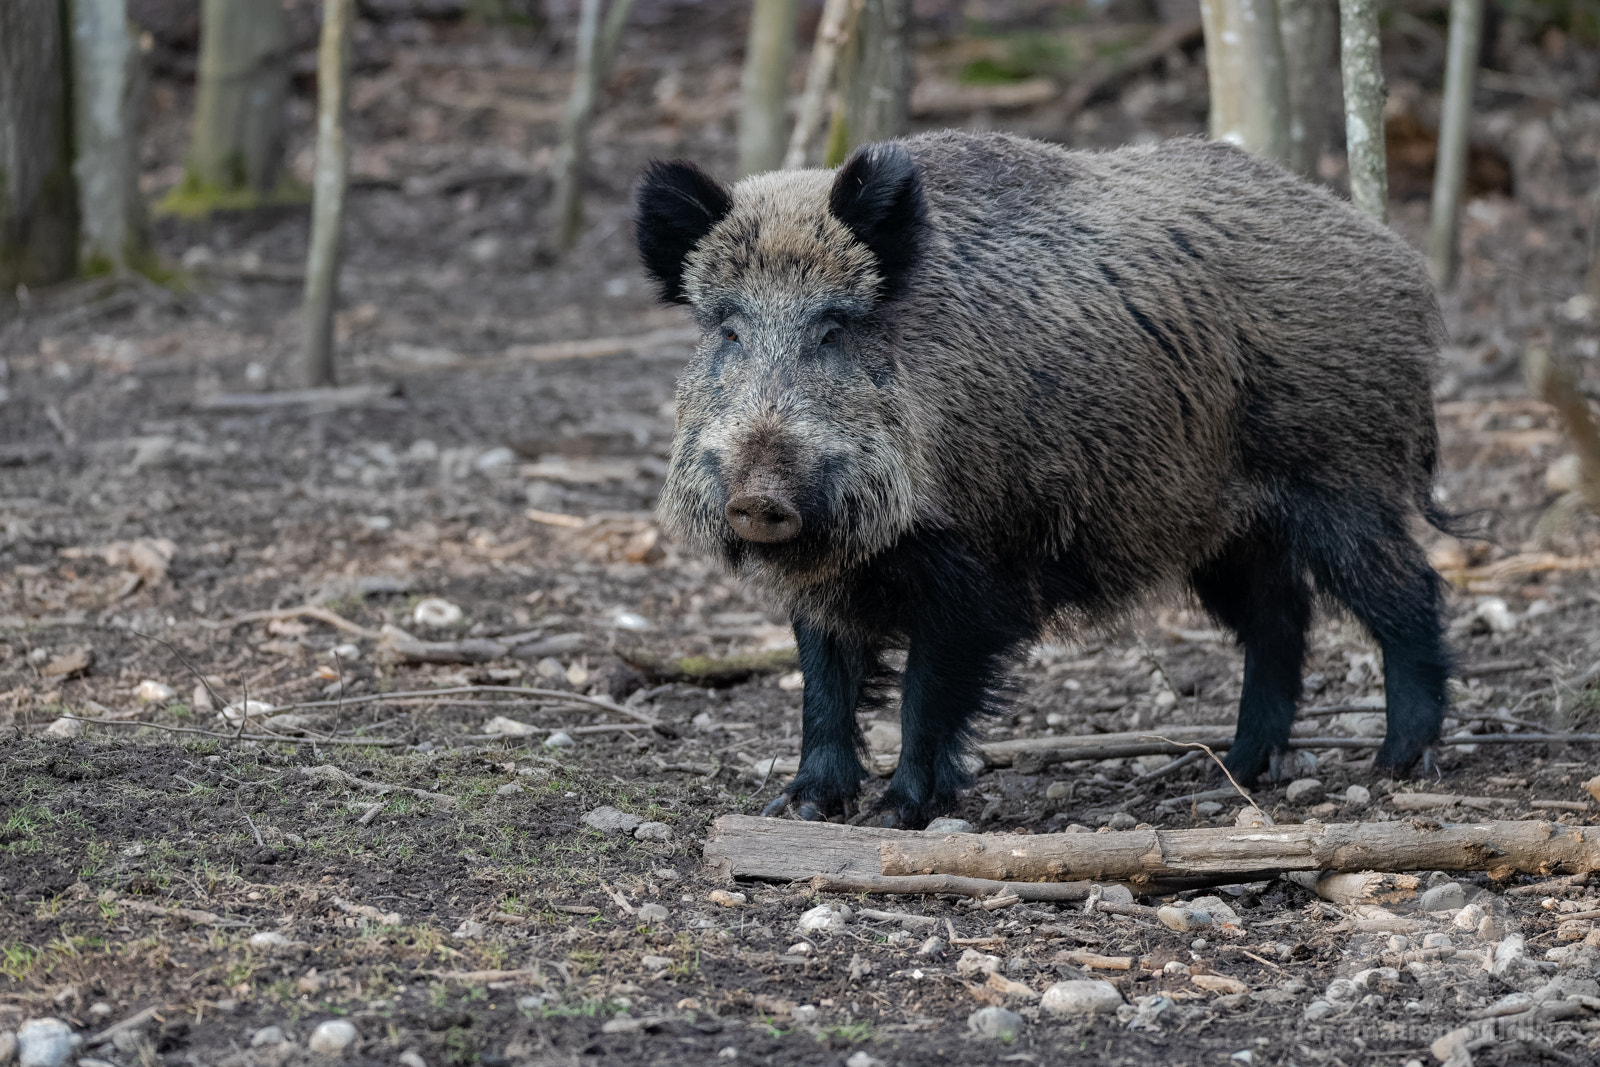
{"type": "Point", "coordinates": [69, 664]}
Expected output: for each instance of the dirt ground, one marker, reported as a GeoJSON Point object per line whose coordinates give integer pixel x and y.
{"type": "Point", "coordinates": [395, 863]}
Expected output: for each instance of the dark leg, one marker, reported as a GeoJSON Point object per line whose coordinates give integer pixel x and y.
{"type": "Point", "coordinates": [953, 674]}
{"type": "Point", "coordinates": [836, 670]}
{"type": "Point", "coordinates": [1382, 576]}
{"type": "Point", "coordinates": [1255, 591]}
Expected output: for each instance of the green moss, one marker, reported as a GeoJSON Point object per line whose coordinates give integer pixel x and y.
{"type": "Point", "coordinates": [194, 198]}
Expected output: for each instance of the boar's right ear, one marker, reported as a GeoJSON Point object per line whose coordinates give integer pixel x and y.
{"type": "Point", "coordinates": [678, 204]}
{"type": "Point", "coordinates": [878, 195]}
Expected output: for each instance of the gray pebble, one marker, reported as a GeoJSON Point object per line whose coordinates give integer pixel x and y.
{"type": "Point", "coordinates": [1447, 896]}
{"type": "Point", "coordinates": [531, 1002]}
{"type": "Point", "coordinates": [1121, 820]}
{"type": "Point", "coordinates": [1304, 791]}
{"type": "Point", "coordinates": [931, 947]}
{"type": "Point", "coordinates": [1358, 795]}
{"type": "Point", "coordinates": [45, 1043]}
{"type": "Point", "coordinates": [560, 739]}
{"type": "Point", "coordinates": [267, 1035]}
{"type": "Point", "coordinates": [999, 1024]}
{"type": "Point", "coordinates": [1081, 997]}
{"type": "Point", "coordinates": [331, 1038]}
{"type": "Point", "coordinates": [609, 820]}
{"type": "Point", "coordinates": [1318, 1010]}
{"type": "Point", "coordinates": [653, 831]}
{"type": "Point", "coordinates": [951, 826]}
{"type": "Point", "coordinates": [653, 913]}
{"type": "Point", "coordinates": [412, 1058]}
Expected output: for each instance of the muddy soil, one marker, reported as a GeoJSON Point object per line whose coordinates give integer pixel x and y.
{"type": "Point", "coordinates": [397, 863]}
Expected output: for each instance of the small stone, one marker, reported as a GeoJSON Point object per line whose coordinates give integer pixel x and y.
{"type": "Point", "coordinates": [1318, 1010]}
{"type": "Point", "coordinates": [1081, 997]}
{"type": "Point", "coordinates": [1374, 977]}
{"type": "Point", "coordinates": [729, 1052]}
{"type": "Point", "coordinates": [510, 789]}
{"type": "Point", "coordinates": [1208, 808]}
{"type": "Point", "coordinates": [1341, 991]}
{"type": "Point", "coordinates": [507, 727]}
{"type": "Point", "coordinates": [268, 941]}
{"type": "Point", "coordinates": [267, 1035]}
{"type": "Point", "coordinates": [863, 1058]}
{"type": "Point", "coordinates": [1244, 1055]}
{"type": "Point", "coordinates": [99, 1009]}
{"type": "Point", "coordinates": [1304, 791]}
{"type": "Point", "coordinates": [792, 682]}
{"type": "Point", "coordinates": [560, 739]}
{"type": "Point", "coordinates": [951, 826]}
{"type": "Point", "coordinates": [1437, 941]}
{"type": "Point", "coordinates": [1219, 983]}
{"type": "Point", "coordinates": [974, 962]}
{"type": "Point", "coordinates": [470, 930]}
{"type": "Point", "coordinates": [551, 670]}
{"type": "Point", "coordinates": [727, 899]}
{"type": "Point", "coordinates": [531, 1002]}
{"type": "Point", "coordinates": [1121, 820]}
{"type": "Point", "coordinates": [412, 1058]}
{"type": "Point", "coordinates": [883, 738]}
{"type": "Point", "coordinates": [240, 710]}
{"type": "Point", "coordinates": [1116, 893]}
{"type": "Point", "coordinates": [1181, 919]}
{"type": "Point", "coordinates": [1057, 790]}
{"type": "Point", "coordinates": [153, 692]}
{"type": "Point", "coordinates": [800, 948]}
{"type": "Point", "coordinates": [1197, 944]}
{"type": "Point", "coordinates": [435, 611]}
{"type": "Point", "coordinates": [1358, 795]}
{"type": "Point", "coordinates": [805, 1014]}
{"type": "Point", "coordinates": [66, 726]}
{"type": "Point", "coordinates": [931, 947]}
{"type": "Point", "coordinates": [653, 831]}
{"type": "Point", "coordinates": [821, 919]}
{"type": "Point", "coordinates": [609, 820]}
{"type": "Point", "coordinates": [1468, 918]}
{"type": "Point", "coordinates": [331, 1038]}
{"type": "Point", "coordinates": [655, 963]}
{"type": "Point", "coordinates": [1446, 897]}
{"type": "Point", "coordinates": [998, 1024]}
{"type": "Point", "coordinates": [653, 913]}
{"type": "Point", "coordinates": [1507, 953]}
{"type": "Point", "coordinates": [45, 1043]}
{"type": "Point", "coordinates": [1174, 967]}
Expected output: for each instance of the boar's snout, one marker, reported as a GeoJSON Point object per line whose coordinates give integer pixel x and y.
{"type": "Point", "coordinates": [765, 517]}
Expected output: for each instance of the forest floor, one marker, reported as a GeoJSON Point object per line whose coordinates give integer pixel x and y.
{"type": "Point", "coordinates": [228, 895]}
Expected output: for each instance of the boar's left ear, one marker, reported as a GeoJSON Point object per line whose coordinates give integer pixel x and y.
{"type": "Point", "coordinates": [678, 204]}
{"type": "Point", "coordinates": [878, 195]}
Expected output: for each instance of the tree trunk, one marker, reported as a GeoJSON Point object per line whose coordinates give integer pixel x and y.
{"type": "Point", "coordinates": [1364, 96]}
{"type": "Point", "coordinates": [596, 50]}
{"type": "Point", "coordinates": [328, 188]}
{"type": "Point", "coordinates": [765, 86]}
{"type": "Point", "coordinates": [239, 101]}
{"type": "Point", "coordinates": [38, 198]}
{"type": "Point", "coordinates": [874, 80]}
{"type": "Point", "coordinates": [1246, 71]}
{"type": "Point", "coordinates": [108, 89]}
{"type": "Point", "coordinates": [1594, 246]}
{"type": "Point", "coordinates": [1455, 119]}
{"type": "Point", "coordinates": [1310, 30]}
{"type": "Point", "coordinates": [834, 29]}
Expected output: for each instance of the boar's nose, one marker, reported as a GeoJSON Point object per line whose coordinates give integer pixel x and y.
{"type": "Point", "coordinates": [763, 517]}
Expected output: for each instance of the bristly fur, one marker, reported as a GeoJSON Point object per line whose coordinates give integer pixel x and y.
{"type": "Point", "coordinates": [1007, 384]}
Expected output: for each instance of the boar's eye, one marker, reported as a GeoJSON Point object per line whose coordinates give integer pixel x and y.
{"type": "Point", "coordinates": [729, 334]}
{"type": "Point", "coordinates": [831, 337]}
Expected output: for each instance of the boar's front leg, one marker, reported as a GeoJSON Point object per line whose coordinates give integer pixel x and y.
{"type": "Point", "coordinates": [836, 670]}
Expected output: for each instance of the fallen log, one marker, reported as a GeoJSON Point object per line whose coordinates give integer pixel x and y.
{"type": "Point", "coordinates": [743, 846]}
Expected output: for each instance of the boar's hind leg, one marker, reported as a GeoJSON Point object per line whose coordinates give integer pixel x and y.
{"type": "Point", "coordinates": [836, 671]}
{"type": "Point", "coordinates": [1254, 589]}
{"type": "Point", "coordinates": [1374, 568]}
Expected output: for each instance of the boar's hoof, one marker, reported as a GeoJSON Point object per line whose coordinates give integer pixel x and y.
{"type": "Point", "coordinates": [805, 810]}
{"type": "Point", "coordinates": [763, 517]}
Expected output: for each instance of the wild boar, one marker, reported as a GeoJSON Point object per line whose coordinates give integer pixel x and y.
{"type": "Point", "coordinates": [971, 387]}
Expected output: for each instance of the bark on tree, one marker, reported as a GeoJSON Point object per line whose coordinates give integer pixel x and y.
{"type": "Point", "coordinates": [108, 89]}
{"type": "Point", "coordinates": [765, 85]}
{"type": "Point", "coordinates": [834, 29]}
{"type": "Point", "coordinates": [596, 49]}
{"type": "Point", "coordinates": [327, 195]}
{"type": "Point", "coordinates": [38, 198]}
{"type": "Point", "coordinates": [743, 846]}
{"type": "Point", "coordinates": [242, 84]}
{"type": "Point", "coordinates": [1310, 30]}
{"type": "Point", "coordinates": [1450, 170]}
{"type": "Point", "coordinates": [1247, 76]}
{"type": "Point", "coordinates": [1364, 96]}
{"type": "Point", "coordinates": [1594, 245]}
{"type": "Point", "coordinates": [874, 79]}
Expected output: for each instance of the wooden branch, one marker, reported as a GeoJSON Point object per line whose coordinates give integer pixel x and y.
{"type": "Point", "coordinates": [711, 670]}
{"type": "Point", "coordinates": [831, 35]}
{"type": "Point", "coordinates": [878, 860]}
{"type": "Point", "coordinates": [1104, 74]}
